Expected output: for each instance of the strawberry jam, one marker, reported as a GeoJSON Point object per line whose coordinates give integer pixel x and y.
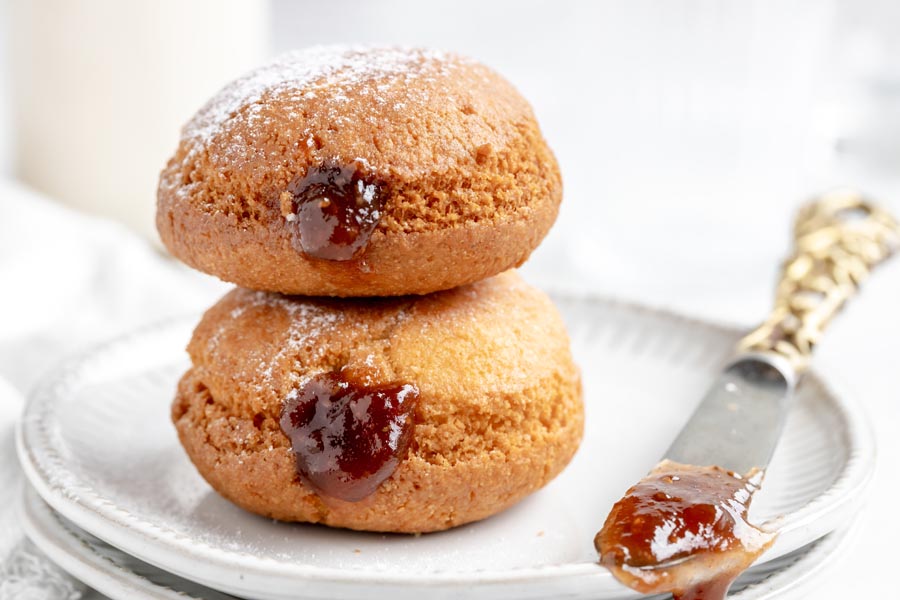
{"type": "Point", "coordinates": [334, 210]}
{"type": "Point", "coordinates": [348, 437]}
{"type": "Point", "coordinates": [683, 529]}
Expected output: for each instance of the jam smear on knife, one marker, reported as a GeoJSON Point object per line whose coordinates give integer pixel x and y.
{"type": "Point", "coordinates": [683, 529]}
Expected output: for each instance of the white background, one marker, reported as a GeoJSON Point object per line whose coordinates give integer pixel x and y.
{"type": "Point", "coordinates": [687, 132]}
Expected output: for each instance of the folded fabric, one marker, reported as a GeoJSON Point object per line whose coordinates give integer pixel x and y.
{"type": "Point", "coordinates": [69, 282]}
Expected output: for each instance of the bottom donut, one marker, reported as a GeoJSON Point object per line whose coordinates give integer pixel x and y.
{"type": "Point", "coordinates": [410, 414]}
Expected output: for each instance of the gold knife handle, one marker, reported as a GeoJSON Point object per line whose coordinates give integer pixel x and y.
{"type": "Point", "coordinates": [838, 239]}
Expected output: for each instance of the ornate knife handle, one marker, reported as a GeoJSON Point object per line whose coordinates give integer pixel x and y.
{"type": "Point", "coordinates": [838, 239]}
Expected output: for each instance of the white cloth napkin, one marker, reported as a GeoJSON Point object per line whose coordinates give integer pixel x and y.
{"type": "Point", "coordinates": [70, 281]}
{"type": "Point", "coordinates": [67, 281]}
{"type": "Point", "coordinates": [25, 574]}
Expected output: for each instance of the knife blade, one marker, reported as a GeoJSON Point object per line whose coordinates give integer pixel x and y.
{"type": "Point", "coordinates": [740, 419]}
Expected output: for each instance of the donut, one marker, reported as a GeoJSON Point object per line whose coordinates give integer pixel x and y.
{"type": "Point", "coordinates": [343, 171]}
{"type": "Point", "coordinates": [407, 414]}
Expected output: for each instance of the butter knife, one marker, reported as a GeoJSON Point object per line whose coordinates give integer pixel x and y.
{"type": "Point", "coordinates": [684, 527]}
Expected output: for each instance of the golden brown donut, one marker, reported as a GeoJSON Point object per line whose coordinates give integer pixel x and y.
{"type": "Point", "coordinates": [440, 160]}
{"type": "Point", "coordinates": [499, 410]}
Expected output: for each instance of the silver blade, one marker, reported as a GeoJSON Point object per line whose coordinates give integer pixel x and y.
{"type": "Point", "coordinates": [739, 421]}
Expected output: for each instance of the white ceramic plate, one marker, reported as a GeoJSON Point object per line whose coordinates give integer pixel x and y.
{"type": "Point", "coordinates": [97, 444]}
{"type": "Point", "coordinates": [104, 568]}
{"type": "Point", "coordinates": [121, 576]}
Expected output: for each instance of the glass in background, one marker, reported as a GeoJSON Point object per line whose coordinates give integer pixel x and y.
{"type": "Point", "coordinates": [100, 89]}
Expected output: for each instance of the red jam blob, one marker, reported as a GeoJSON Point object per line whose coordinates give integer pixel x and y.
{"type": "Point", "coordinates": [683, 529]}
{"type": "Point", "coordinates": [348, 437]}
{"type": "Point", "coordinates": [335, 210]}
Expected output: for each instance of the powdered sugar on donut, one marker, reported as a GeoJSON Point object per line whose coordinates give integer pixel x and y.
{"type": "Point", "coordinates": [330, 73]}
{"type": "Point", "coordinates": [308, 322]}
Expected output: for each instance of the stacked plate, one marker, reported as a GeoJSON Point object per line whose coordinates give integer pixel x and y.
{"type": "Point", "coordinates": [115, 501]}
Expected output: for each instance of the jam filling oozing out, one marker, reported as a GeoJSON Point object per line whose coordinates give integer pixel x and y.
{"type": "Point", "coordinates": [334, 210]}
{"type": "Point", "coordinates": [683, 529]}
{"type": "Point", "coordinates": [348, 437]}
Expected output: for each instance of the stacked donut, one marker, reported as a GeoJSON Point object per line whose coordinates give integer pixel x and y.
{"type": "Point", "coordinates": [381, 367]}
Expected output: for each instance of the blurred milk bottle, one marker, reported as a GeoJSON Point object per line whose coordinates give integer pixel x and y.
{"type": "Point", "coordinates": [102, 87]}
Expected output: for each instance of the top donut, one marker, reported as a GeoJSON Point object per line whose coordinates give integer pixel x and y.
{"type": "Point", "coordinates": [360, 172]}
